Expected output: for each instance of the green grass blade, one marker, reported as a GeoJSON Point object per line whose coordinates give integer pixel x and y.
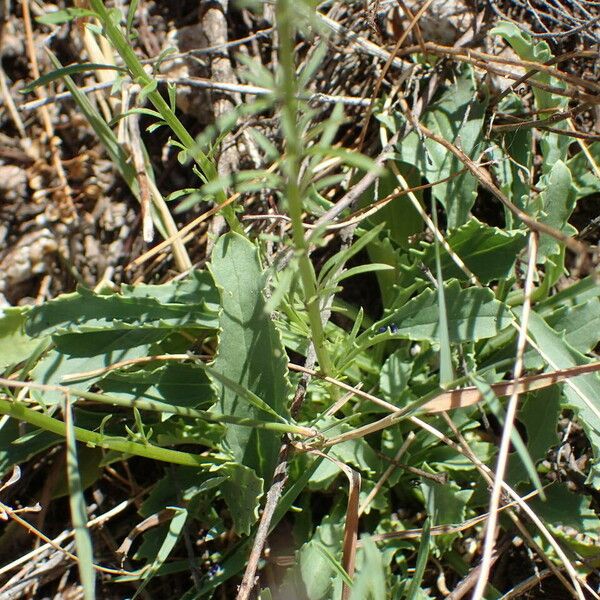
{"type": "Point", "coordinates": [175, 528]}
{"type": "Point", "coordinates": [63, 72]}
{"type": "Point", "coordinates": [515, 437]}
{"type": "Point", "coordinates": [422, 557]}
{"type": "Point", "coordinates": [334, 563]}
{"type": "Point", "coordinates": [446, 371]}
{"type": "Point", "coordinates": [113, 33]}
{"type": "Point", "coordinates": [83, 541]}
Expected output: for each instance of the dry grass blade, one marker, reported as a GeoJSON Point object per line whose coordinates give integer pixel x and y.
{"type": "Point", "coordinates": [55, 543]}
{"type": "Point", "coordinates": [386, 474]}
{"type": "Point", "coordinates": [182, 232]}
{"type": "Point", "coordinates": [471, 395]}
{"type": "Point", "coordinates": [352, 516]}
{"type": "Point", "coordinates": [148, 523]}
{"type": "Point", "coordinates": [414, 534]}
{"type": "Point", "coordinates": [413, 23]}
{"type": "Point", "coordinates": [447, 400]}
{"type": "Point", "coordinates": [63, 196]}
{"type": "Point", "coordinates": [511, 411]}
{"type": "Point", "coordinates": [13, 515]}
{"type": "Point", "coordinates": [273, 495]}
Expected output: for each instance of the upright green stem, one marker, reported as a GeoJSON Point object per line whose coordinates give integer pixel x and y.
{"type": "Point", "coordinates": [288, 95]}
{"type": "Point", "coordinates": [121, 45]}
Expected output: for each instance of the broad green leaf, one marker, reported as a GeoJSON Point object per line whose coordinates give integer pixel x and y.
{"type": "Point", "coordinates": [357, 453]}
{"type": "Point", "coordinates": [314, 573]}
{"type": "Point", "coordinates": [83, 352]}
{"type": "Point", "coordinates": [558, 202]}
{"type": "Point", "coordinates": [539, 414]}
{"type": "Point", "coordinates": [179, 484]}
{"type": "Point", "coordinates": [242, 490]}
{"type": "Point", "coordinates": [580, 324]}
{"type": "Point", "coordinates": [313, 577]}
{"type": "Point", "coordinates": [236, 561]}
{"type": "Point", "coordinates": [458, 116]}
{"type": "Point", "coordinates": [585, 180]}
{"type": "Point", "coordinates": [190, 303]}
{"type": "Point", "coordinates": [488, 252]}
{"type": "Point", "coordinates": [15, 345]}
{"type": "Point", "coordinates": [573, 520]}
{"type": "Point", "coordinates": [175, 384]}
{"type": "Point", "coordinates": [250, 352]}
{"type": "Point", "coordinates": [535, 51]}
{"type": "Point", "coordinates": [394, 377]}
{"type": "Point", "coordinates": [472, 314]}
{"type": "Point", "coordinates": [554, 147]}
{"type": "Point", "coordinates": [584, 392]}
{"type": "Point", "coordinates": [448, 460]}
{"type": "Point", "coordinates": [513, 161]}
{"type": "Point", "coordinates": [370, 580]}
{"type": "Point", "coordinates": [400, 216]}
{"type": "Point", "coordinates": [567, 509]}
{"type": "Point", "coordinates": [448, 503]}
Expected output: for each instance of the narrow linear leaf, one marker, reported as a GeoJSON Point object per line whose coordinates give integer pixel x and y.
{"type": "Point", "coordinates": [446, 371]}
{"type": "Point", "coordinates": [422, 557]}
{"type": "Point", "coordinates": [335, 564]}
{"type": "Point", "coordinates": [515, 436]}
{"type": "Point", "coordinates": [83, 541]}
{"type": "Point", "coordinates": [58, 17]}
{"type": "Point", "coordinates": [68, 71]}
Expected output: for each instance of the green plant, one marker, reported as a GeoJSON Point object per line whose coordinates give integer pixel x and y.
{"type": "Point", "coordinates": [450, 306]}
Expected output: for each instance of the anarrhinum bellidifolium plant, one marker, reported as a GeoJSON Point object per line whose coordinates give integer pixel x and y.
{"type": "Point", "coordinates": [195, 373]}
